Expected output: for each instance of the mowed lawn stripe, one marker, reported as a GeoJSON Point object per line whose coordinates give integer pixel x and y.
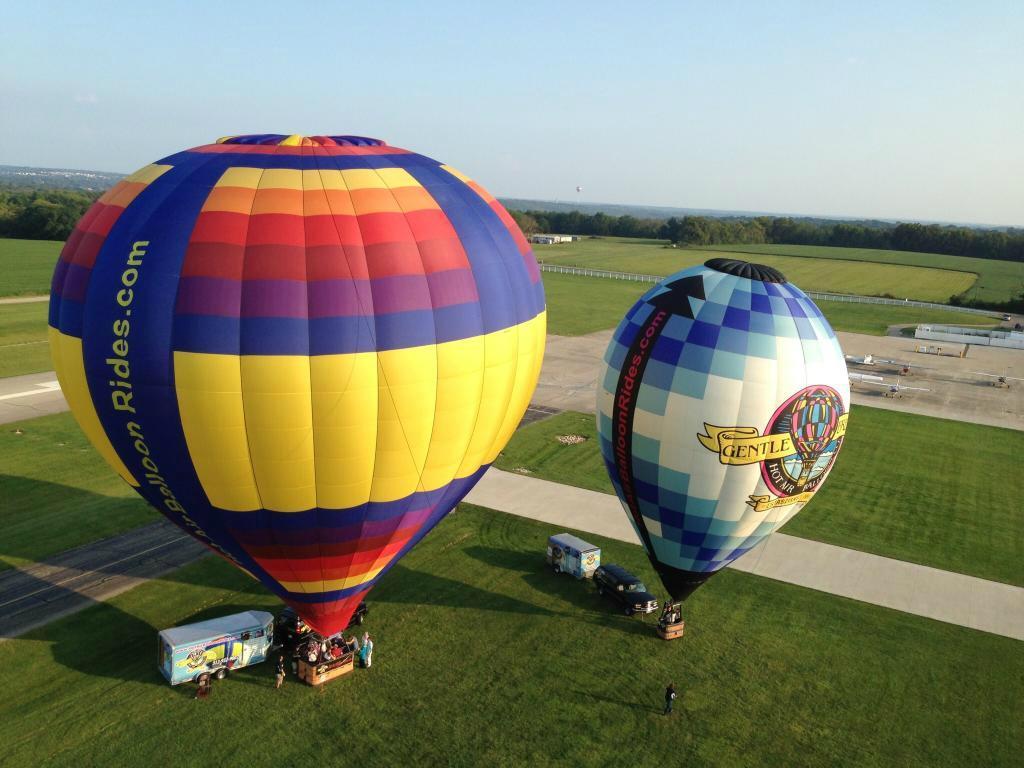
{"type": "Point", "coordinates": [483, 657]}
{"type": "Point", "coordinates": [23, 345]}
{"type": "Point", "coordinates": [811, 274]}
{"type": "Point", "coordinates": [581, 305]}
{"type": "Point", "coordinates": [930, 491]}
{"type": "Point", "coordinates": [998, 280]}
{"type": "Point", "coordinates": [26, 266]}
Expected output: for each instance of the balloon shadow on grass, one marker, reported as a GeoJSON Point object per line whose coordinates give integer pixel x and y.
{"type": "Point", "coordinates": [403, 585]}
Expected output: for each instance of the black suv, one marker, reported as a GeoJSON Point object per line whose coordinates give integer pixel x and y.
{"type": "Point", "coordinates": [289, 628]}
{"type": "Point", "coordinates": [618, 584]}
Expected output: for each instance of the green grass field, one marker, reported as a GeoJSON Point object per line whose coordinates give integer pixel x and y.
{"type": "Point", "coordinates": [57, 492]}
{"type": "Point", "coordinates": [817, 274]}
{"type": "Point", "coordinates": [580, 305]}
{"type": "Point", "coordinates": [23, 346]}
{"type": "Point", "coordinates": [26, 266]}
{"type": "Point", "coordinates": [997, 280]}
{"type": "Point", "coordinates": [483, 657]}
{"type": "Point", "coordinates": [908, 487]}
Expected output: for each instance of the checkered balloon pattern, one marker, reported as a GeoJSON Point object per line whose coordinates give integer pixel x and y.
{"type": "Point", "coordinates": [722, 406]}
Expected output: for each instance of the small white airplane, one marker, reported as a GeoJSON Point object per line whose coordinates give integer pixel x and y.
{"type": "Point", "coordinates": [897, 389]}
{"type": "Point", "coordinates": [872, 360]}
{"type": "Point", "coordinates": [1000, 380]}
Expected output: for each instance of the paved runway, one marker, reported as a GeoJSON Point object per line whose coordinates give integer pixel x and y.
{"type": "Point", "coordinates": [25, 397]}
{"type": "Point", "coordinates": [42, 592]}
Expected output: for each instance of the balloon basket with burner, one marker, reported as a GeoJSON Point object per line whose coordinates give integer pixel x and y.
{"type": "Point", "coordinates": [318, 674]}
{"type": "Point", "coordinates": [671, 631]}
{"type": "Point", "coordinates": [671, 625]}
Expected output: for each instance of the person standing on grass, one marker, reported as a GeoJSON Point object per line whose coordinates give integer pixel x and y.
{"type": "Point", "coordinates": [280, 671]}
{"type": "Point", "coordinates": [670, 696]}
{"type": "Point", "coordinates": [203, 691]}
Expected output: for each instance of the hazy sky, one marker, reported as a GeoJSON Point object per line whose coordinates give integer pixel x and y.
{"type": "Point", "coordinates": [898, 110]}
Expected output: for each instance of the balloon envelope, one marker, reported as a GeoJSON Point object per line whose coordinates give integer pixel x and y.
{"type": "Point", "coordinates": [722, 407]}
{"type": "Point", "coordinates": [302, 350]}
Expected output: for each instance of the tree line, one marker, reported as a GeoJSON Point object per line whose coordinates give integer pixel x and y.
{"type": "Point", "coordinates": [42, 214]}
{"type": "Point", "coordinates": [1003, 244]}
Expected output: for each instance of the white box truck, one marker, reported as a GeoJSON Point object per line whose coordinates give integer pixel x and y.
{"type": "Point", "coordinates": [571, 554]}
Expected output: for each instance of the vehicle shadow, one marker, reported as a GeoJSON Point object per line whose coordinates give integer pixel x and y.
{"type": "Point", "coordinates": [579, 593]}
{"type": "Point", "coordinates": [111, 643]}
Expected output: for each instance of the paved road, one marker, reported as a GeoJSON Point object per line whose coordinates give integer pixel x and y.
{"type": "Point", "coordinates": [25, 397]}
{"type": "Point", "coordinates": [950, 597]}
{"type": "Point", "coordinates": [73, 580]}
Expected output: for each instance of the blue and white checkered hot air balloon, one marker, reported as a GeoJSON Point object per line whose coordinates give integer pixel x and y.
{"type": "Point", "coordinates": [722, 408]}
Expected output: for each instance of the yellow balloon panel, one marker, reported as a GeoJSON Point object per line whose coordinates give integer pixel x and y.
{"type": "Point", "coordinates": [345, 394]}
{"type": "Point", "coordinates": [290, 432]}
{"type": "Point", "coordinates": [209, 391]}
{"type": "Point", "coordinates": [66, 352]}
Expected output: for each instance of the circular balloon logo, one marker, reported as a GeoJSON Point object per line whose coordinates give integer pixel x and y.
{"type": "Point", "coordinates": [815, 420]}
{"type": "Point", "coordinates": [303, 350]}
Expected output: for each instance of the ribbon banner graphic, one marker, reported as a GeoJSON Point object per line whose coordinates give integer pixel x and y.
{"type": "Point", "coordinates": [746, 445]}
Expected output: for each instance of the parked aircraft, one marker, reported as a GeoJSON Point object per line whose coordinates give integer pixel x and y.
{"type": "Point", "coordinates": [999, 379]}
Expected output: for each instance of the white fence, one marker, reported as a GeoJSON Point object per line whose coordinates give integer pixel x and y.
{"type": "Point", "coordinates": [816, 295]}
{"type": "Point", "coordinates": [959, 335]}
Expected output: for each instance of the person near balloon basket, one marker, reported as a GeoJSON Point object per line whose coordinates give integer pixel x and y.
{"type": "Point", "coordinates": [279, 672]}
{"type": "Point", "coordinates": [366, 651]}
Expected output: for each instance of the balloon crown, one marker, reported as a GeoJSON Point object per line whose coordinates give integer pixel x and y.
{"type": "Point", "coordinates": [297, 140]}
{"type": "Point", "coordinates": [746, 269]}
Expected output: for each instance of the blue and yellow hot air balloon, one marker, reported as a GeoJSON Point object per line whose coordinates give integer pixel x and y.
{"type": "Point", "coordinates": [723, 404]}
{"type": "Point", "coordinates": [302, 350]}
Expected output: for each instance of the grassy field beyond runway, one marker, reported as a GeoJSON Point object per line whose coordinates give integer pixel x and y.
{"type": "Point", "coordinates": [929, 491]}
{"type": "Point", "coordinates": [811, 274]}
{"type": "Point", "coordinates": [581, 305]}
{"type": "Point", "coordinates": [998, 280]}
{"type": "Point", "coordinates": [26, 266]}
{"type": "Point", "coordinates": [23, 345]}
{"type": "Point", "coordinates": [57, 493]}
{"type": "Point", "coordinates": [484, 657]}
